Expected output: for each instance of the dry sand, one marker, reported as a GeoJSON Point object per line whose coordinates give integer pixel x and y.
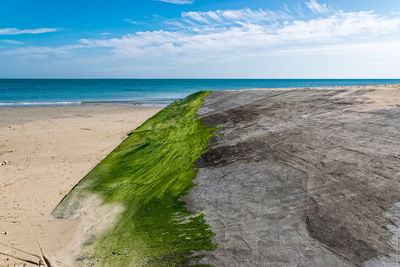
{"type": "Point", "coordinates": [48, 150]}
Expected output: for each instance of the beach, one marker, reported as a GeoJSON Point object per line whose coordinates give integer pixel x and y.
{"type": "Point", "coordinates": [298, 176]}
{"type": "Point", "coordinates": [200, 133]}
{"type": "Point", "coordinates": [45, 151]}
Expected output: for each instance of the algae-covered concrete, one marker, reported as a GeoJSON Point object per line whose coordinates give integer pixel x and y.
{"type": "Point", "coordinates": [128, 205]}
{"type": "Point", "coordinates": [302, 177]}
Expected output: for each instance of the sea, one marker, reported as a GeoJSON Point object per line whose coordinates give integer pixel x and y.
{"type": "Point", "coordinates": [143, 92]}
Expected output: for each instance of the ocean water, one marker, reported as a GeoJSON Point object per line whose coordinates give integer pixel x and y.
{"type": "Point", "coordinates": [148, 92]}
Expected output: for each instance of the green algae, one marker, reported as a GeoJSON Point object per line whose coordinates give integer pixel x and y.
{"type": "Point", "coordinates": [147, 174]}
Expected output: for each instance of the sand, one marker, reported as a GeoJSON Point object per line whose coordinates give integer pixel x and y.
{"type": "Point", "coordinates": [47, 151]}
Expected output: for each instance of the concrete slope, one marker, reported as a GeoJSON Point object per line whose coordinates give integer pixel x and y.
{"type": "Point", "coordinates": [302, 177]}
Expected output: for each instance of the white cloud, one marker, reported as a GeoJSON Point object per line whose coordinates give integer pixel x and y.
{"type": "Point", "coordinates": [7, 41]}
{"type": "Point", "coordinates": [15, 31]}
{"type": "Point", "coordinates": [177, 2]}
{"type": "Point", "coordinates": [344, 49]}
{"type": "Point", "coordinates": [239, 16]}
{"type": "Point", "coordinates": [40, 51]}
{"type": "Point", "coordinates": [214, 34]}
{"type": "Point", "coordinates": [315, 7]}
{"type": "Point", "coordinates": [132, 21]}
{"type": "Point", "coordinates": [341, 24]}
{"type": "Point", "coordinates": [286, 8]}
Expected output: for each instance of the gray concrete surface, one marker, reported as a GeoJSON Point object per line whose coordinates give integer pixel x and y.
{"type": "Point", "coordinates": [302, 177]}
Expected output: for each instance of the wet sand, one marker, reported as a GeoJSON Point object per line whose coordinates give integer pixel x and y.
{"type": "Point", "coordinates": [47, 150]}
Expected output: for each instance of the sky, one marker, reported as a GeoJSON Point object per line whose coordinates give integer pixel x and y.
{"type": "Point", "coordinates": [200, 39]}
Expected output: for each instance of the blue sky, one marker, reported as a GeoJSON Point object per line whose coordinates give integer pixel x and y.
{"type": "Point", "coordinates": [199, 39]}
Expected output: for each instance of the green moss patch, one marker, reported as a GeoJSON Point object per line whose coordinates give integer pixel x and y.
{"type": "Point", "coordinates": [147, 174]}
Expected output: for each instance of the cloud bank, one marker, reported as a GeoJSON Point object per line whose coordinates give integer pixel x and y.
{"type": "Point", "coordinates": [246, 31]}
{"type": "Point", "coordinates": [318, 41]}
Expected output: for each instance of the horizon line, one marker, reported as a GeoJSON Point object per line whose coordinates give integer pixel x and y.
{"type": "Point", "coordinates": [119, 78]}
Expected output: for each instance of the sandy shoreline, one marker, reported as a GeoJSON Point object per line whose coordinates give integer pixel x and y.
{"type": "Point", "coordinates": [48, 150]}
